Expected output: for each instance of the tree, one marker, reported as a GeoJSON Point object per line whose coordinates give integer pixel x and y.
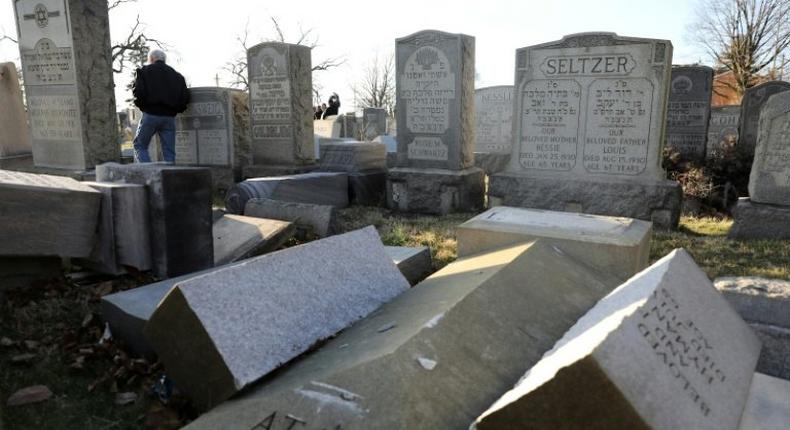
{"type": "Point", "coordinates": [377, 87]}
{"type": "Point", "coordinates": [750, 38]}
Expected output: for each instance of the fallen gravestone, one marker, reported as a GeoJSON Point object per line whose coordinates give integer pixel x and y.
{"type": "Point", "coordinates": [179, 213]}
{"type": "Point", "coordinates": [239, 237]}
{"type": "Point", "coordinates": [415, 264]}
{"type": "Point", "coordinates": [599, 151]}
{"type": "Point", "coordinates": [366, 166]}
{"type": "Point", "coordinates": [219, 332]}
{"type": "Point", "coordinates": [14, 138]}
{"type": "Point", "coordinates": [688, 112]}
{"type": "Point", "coordinates": [751, 105]}
{"type": "Point", "coordinates": [493, 128]}
{"type": "Point", "coordinates": [619, 246]}
{"type": "Point", "coordinates": [320, 188]}
{"type": "Point", "coordinates": [723, 129]}
{"type": "Point", "coordinates": [664, 351]}
{"type": "Point", "coordinates": [46, 216]}
{"type": "Point", "coordinates": [436, 356]}
{"type": "Point", "coordinates": [317, 220]}
{"type": "Point", "coordinates": [767, 407]}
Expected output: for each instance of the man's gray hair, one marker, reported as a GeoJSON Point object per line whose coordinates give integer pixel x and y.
{"type": "Point", "coordinates": [157, 55]}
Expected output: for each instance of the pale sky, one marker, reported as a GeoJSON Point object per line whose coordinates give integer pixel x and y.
{"type": "Point", "coordinates": [202, 34]}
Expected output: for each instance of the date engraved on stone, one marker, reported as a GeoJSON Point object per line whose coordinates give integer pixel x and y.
{"type": "Point", "coordinates": [550, 124]}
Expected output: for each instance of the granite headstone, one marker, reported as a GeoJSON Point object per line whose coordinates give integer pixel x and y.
{"type": "Point", "coordinates": [770, 178]}
{"type": "Point", "coordinates": [688, 113]}
{"type": "Point", "coordinates": [374, 123]}
{"type": "Point", "coordinates": [14, 138]}
{"type": "Point", "coordinates": [494, 120]}
{"type": "Point", "coordinates": [723, 128]}
{"type": "Point", "coordinates": [751, 105]}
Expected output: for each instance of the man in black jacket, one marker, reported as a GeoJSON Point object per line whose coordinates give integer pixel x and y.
{"type": "Point", "coordinates": [161, 93]}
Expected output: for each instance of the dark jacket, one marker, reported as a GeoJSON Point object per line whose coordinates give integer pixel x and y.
{"type": "Point", "coordinates": [160, 90]}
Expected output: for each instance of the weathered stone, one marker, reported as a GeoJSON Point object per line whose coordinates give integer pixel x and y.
{"type": "Point", "coordinates": [494, 120]}
{"type": "Point", "coordinates": [435, 97]}
{"type": "Point", "coordinates": [261, 171]}
{"type": "Point", "coordinates": [723, 128]}
{"type": "Point", "coordinates": [179, 213]}
{"type": "Point", "coordinates": [767, 407]}
{"type": "Point", "coordinates": [353, 157]}
{"type": "Point", "coordinates": [663, 351]}
{"type": "Point", "coordinates": [374, 123]}
{"type": "Point", "coordinates": [220, 332]}
{"type": "Point", "coordinates": [658, 202]}
{"type": "Point", "coordinates": [350, 126]}
{"type": "Point", "coordinates": [124, 233]}
{"type": "Point", "coordinates": [67, 68]}
{"type": "Point", "coordinates": [18, 272]}
{"type": "Point", "coordinates": [318, 220]}
{"type": "Point", "coordinates": [415, 264]}
{"type": "Point", "coordinates": [492, 163]}
{"type": "Point", "coordinates": [620, 246]}
{"type": "Point", "coordinates": [751, 106]}
{"type": "Point", "coordinates": [320, 188]}
{"type": "Point", "coordinates": [688, 112]}
{"type": "Point", "coordinates": [775, 355]}
{"type": "Point", "coordinates": [367, 188]}
{"type": "Point", "coordinates": [607, 159]}
{"type": "Point", "coordinates": [761, 300]}
{"type": "Point", "coordinates": [758, 221]}
{"type": "Point", "coordinates": [770, 178]}
{"type": "Point", "coordinates": [239, 237]}
{"type": "Point", "coordinates": [46, 216]}
{"type": "Point", "coordinates": [435, 191]}
{"type": "Point", "coordinates": [281, 111]}
{"type": "Point", "coordinates": [413, 363]}
{"type": "Point", "coordinates": [329, 128]}
{"type": "Point", "coordinates": [14, 137]}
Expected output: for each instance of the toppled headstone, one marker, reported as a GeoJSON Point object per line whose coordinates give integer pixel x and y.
{"type": "Point", "coordinates": [179, 213]}
{"type": "Point", "coordinates": [220, 332]}
{"type": "Point", "coordinates": [723, 128]}
{"type": "Point", "coordinates": [688, 112]}
{"type": "Point", "coordinates": [239, 237]}
{"type": "Point", "coordinates": [353, 157]}
{"type": "Point", "coordinates": [124, 233]}
{"type": "Point", "coordinates": [319, 188]}
{"type": "Point", "coordinates": [767, 407]}
{"type": "Point", "coordinates": [414, 263]}
{"type": "Point", "coordinates": [46, 215]}
{"type": "Point", "coordinates": [755, 221]}
{"type": "Point", "coordinates": [751, 105]}
{"type": "Point", "coordinates": [14, 138]}
{"type": "Point", "coordinates": [436, 356]}
{"type": "Point", "coordinates": [318, 220]}
{"type": "Point", "coordinates": [619, 246]}
{"type": "Point", "coordinates": [663, 351]}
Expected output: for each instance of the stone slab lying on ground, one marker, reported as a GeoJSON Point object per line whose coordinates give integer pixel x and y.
{"type": "Point", "coordinates": [318, 220]}
{"type": "Point", "coordinates": [753, 221]}
{"type": "Point", "coordinates": [352, 156]}
{"type": "Point", "coordinates": [663, 351]}
{"type": "Point", "coordinates": [435, 357]}
{"type": "Point", "coordinates": [220, 332]}
{"type": "Point", "coordinates": [46, 215]}
{"type": "Point", "coordinates": [239, 237]}
{"type": "Point", "coordinates": [617, 245]}
{"type": "Point", "coordinates": [414, 263]}
{"type": "Point", "coordinates": [767, 407]}
{"type": "Point", "coordinates": [180, 217]}
{"type": "Point", "coordinates": [319, 188]}
{"type": "Point", "coordinates": [124, 232]}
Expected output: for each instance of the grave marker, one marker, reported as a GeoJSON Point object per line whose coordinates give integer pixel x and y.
{"type": "Point", "coordinates": [723, 128]}
{"type": "Point", "coordinates": [14, 137]}
{"type": "Point", "coordinates": [751, 105]}
{"type": "Point", "coordinates": [688, 114]}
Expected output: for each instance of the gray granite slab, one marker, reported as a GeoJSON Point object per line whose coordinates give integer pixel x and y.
{"type": "Point", "coordinates": [14, 136]}
{"type": "Point", "coordinates": [688, 113]}
{"type": "Point", "coordinates": [767, 407]}
{"type": "Point", "coordinates": [494, 120]}
{"type": "Point", "coordinates": [755, 221]}
{"type": "Point", "coordinates": [318, 220]}
{"type": "Point", "coordinates": [435, 191]}
{"type": "Point", "coordinates": [352, 156]}
{"type": "Point", "coordinates": [321, 188]}
{"type": "Point", "coordinates": [770, 177]}
{"type": "Point", "coordinates": [751, 106]}
{"type": "Point", "coordinates": [723, 128]}
{"type": "Point", "coordinates": [415, 263]}
{"type": "Point", "coordinates": [374, 123]}
{"type": "Point", "coordinates": [239, 237]}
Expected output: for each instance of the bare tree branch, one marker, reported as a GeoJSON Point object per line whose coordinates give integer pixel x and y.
{"type": "Point", "coordinates": [115, 3]}
{"type": "Point", "coordinates": [377, 87]}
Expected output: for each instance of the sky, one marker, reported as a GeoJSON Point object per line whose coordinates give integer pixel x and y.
{"type": "Point", "coordinates": [202, 35]}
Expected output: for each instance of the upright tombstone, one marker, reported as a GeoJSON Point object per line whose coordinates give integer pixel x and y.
{"type": "Point", "coordinates": [435, 170]}
{"type": "Point", "coordinates": [281, 111]}
{"type": "Point", "coordinates": [751, 105]}
{"type": "Point", "coordinates": [374, 123]}
{"type": "Point", "coordinates": [493, 127]}
{"type": "Point", "coordinates": [214, 132]}
{"type": "Point", "coordinates": [688, 113]}
{"type": "Point", "coordinates": [67, 67]}
{"type": "Point", "coordinates": [14, 138]}
{"type": "Point", "coordinates": [723, 128]}
{"type": "Point", "coordinates": [589, 120]}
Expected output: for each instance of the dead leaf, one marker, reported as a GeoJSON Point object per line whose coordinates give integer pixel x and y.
{"type": "Point", "coordinates": [26, 396]}
{"type": "Point", "coordinates": [122, 399]}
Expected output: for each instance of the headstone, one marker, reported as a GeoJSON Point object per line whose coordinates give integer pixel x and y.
{"type": "Point", "coordinates": [723, 128]}
{"type": "Point", "coordinates": [124, 233]}
{"type": "Point", "coordinates": [179, 213]}
{"type": "Point", "coordinates": [589, 124]}
{"type": "Point", "coordinates": [663, 351]}
{"type": "Point", "coordinates": [46, 216]}
{"type": "Point", "coordinates": [218, 333]}
{"type": "Point", "coordinates": [374, 123]}
{"type": "Point", "coordinates": [435, 97]}
{"type": "Point", "coordinates": [67, 69]}
{"type": "Point", "coordinates": [214, 131]}
{"type": "Point", "coordinates": [281, 112]}
{"type": "Point", "coordinates": [328, 128]}
{"type": "Point", "coordinates": [239, 237]}
{"type": "Point", "coordinates": [494, 119]}
{"type": "Point", "coordinates": [320, 188]}
{"type": "Point", "coordinates": [312, 220]}
{"type": "Point", "coordinates": [767, 407]}
{"type": "Point", "coordinates": [688, 113]}
{"type": "Point", "coordinates": [619, 246]}
{"type": "Point", "coordinates": [353, 157]}
{"type": "Point", "coordinates": [415, 264]}
{"type": "Point", "coordinates": [751, 105]}
{"type": "Point", "coordinates": [14, 138]}
{"type": "Point", "coordinates": [413, 363]}
{"type": "Point", "coordinates": [754, 221]}
{"type": "Point", "coordinates": [350, 126]}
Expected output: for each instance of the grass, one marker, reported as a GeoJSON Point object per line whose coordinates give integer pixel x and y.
{"type": "Point", "coordinates": [54, 315]}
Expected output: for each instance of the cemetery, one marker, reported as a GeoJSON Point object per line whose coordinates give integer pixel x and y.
{"type": "Point", "coordinates": [600, 242]}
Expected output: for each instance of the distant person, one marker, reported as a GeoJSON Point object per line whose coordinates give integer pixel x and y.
{"type": "Point", "coordinates": [161, 93]}
{"type": "Point", "coordinates": [334, 106]}
{"type": "Point", "coordinates": [318, 112]}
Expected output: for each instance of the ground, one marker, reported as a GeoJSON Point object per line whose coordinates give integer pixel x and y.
{"type": "Point", "coordinates": [63, 321]}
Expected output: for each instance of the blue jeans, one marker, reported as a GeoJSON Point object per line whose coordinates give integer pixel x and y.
{"type": "Point", "coordinates": [165, 127]}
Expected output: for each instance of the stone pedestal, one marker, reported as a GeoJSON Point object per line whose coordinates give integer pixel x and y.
{"type": "Point", "coordinates": [759, 221]}
{"type": "Point", "coordinates": [435, 191]}
{"type": "Point", "coordinates": [656, 201]}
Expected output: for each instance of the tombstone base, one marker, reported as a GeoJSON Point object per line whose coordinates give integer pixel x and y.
{"type": "Point", "coordinates": [435, 191]}
{"type": "Point", "coordinates": [492, 163]}
{"type": "Point", "coordinates": [263, 171]}
{"type": "Point", "coordinates": [24, 164]}
{"type": "Point", "coordinates": [759, 221]}
{"type": "Point", "coordinates": [367, 188]}
{"type": "Point", "coordinates": [659, 201]}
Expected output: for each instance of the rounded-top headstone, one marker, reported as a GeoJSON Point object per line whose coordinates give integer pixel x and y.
{"type": "Point", "coordinates": [770, 178]}
{"type": "Point", "coordinates": [751, 105]}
